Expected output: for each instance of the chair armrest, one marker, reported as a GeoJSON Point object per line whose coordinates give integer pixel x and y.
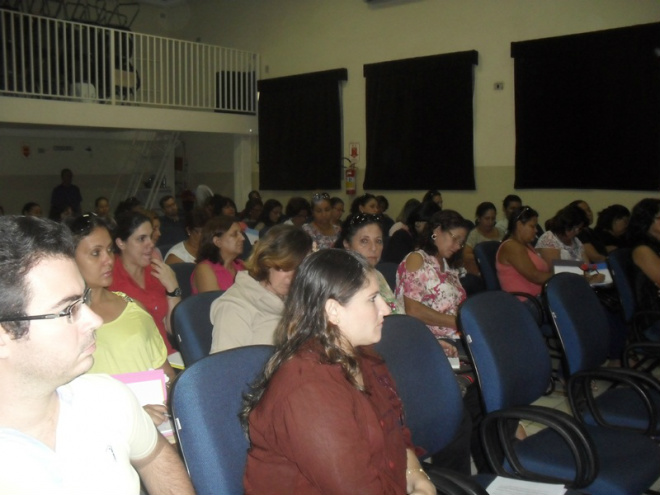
{"type": "Point", "coordinates": [581, 395]}
{"type": "Point", "coordinates": [648, 350]}
{"type": "Point", "coordinates": [445, 480]}
{"type": "Point", "coordinates": [538, 307]}
{"type": "Point", "coordinates": [498, 440]}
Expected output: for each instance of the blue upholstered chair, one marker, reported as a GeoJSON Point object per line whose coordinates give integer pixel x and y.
{"type": "Point", "coordinates": [633, 398]}
{"type": "Point", "coordinates": [484, 254]}
{"type": "Point", "coordinates": [191, 324]}
{"type": "Point", "coordinates": [643, 326]}
{"type": "Point", "coordinates": [205, 402]}
{"type": "Point", "coordinates": [431, 397]}
{"type": "Point", "coordinates": [513, 368]}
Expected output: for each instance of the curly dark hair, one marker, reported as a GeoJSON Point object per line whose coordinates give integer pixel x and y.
{"type": "Point", "coordinates": [643, 215]}
{"type": "Point", "coordinates": [304, 321]}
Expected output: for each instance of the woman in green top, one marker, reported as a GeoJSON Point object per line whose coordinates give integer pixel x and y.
{"type": "Point", "coordinates": [363, 233]}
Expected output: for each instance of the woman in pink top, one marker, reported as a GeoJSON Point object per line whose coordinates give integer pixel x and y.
{"type": "Point", "coordinates": [217, 258]}
{"type": "Point", "coordinates": [519, 267]}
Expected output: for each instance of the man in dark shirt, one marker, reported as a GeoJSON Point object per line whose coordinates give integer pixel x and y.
{"type": "Point", "coordinates": [66, 194]}
{"type": "Point", "coordinates": [172, 228]}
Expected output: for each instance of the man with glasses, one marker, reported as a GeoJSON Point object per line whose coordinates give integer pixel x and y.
{"type": "Point", "coordinates": [60, 432]}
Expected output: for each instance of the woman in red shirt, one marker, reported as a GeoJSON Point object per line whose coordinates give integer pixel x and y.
{"type": "Point", "coordinates": [139, 275]}
{"type": "Point", "coordinates": [325, 418]}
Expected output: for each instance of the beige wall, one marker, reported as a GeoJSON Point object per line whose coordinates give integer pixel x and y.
{"type": "Point", "coordinates": [297, 36]}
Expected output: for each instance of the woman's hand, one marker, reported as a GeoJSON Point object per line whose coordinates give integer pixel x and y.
{"type": "Point", "coordinates": [417, 481]}
{"type": "Point", "coordinates": [157, 412]}
{"type": "Point", "coordinates": [596, 278]}
{"type": "Point", "coordinates": [450, 350]}
{"type": "Point", "coordinates": [164, 274]}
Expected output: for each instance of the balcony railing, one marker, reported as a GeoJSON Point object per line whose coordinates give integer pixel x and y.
{"type": "Point", "coordinates": [49, 58]}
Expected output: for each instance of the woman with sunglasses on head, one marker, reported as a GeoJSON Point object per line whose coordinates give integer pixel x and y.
{"type": "Point", "coordinates": [139, 275]}
{"type": "Point", "coordinates": [324, 418]}
{"type": "Point", "coordinates": [428, 284]}
{"type": "Point", "coordinates": [321, 229]}
{"type": "Point", "coordinates": [217, 260]}
{"type": "Point", "coordinates": [128, 341]}
{"type": "Point", "coordinates": [363, 234]}
{"type": "Point", "coordinates": [248, 312]}
{"type": "Point", "coordinates": [520, 268]}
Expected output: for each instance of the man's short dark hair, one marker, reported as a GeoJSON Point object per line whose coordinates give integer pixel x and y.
{"type": "Point", "coordinates": [64, 171]}
{"type": "Point", "coordinates": [24, 242]}
{"type": "Point", "coordinates": [162, 200]}
{"type": "Point", "coordinates": [510, 199]}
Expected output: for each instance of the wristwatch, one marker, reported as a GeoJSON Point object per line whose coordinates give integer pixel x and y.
{"type": "Point", "coordinates": [175, 293]}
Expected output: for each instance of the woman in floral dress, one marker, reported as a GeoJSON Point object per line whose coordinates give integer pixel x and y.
{"type": "Point", "coordinates": [428, 285]}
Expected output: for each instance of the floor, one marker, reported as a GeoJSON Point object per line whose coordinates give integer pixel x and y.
{"type": "Point", "coordinates": [558, 400]}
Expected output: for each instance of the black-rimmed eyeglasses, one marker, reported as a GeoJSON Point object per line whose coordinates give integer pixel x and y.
{"type": "Point", "coordinates": [72, 311]}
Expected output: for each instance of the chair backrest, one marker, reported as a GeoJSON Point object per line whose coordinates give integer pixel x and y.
{"type": "Point", "coordinates": [485, 254]}
{"type": "Point", "coordinates": [388, 269]}
{"type": "Point", "coordinates": [620, 264]}
{"type": "Point", "coordinates": [424, 380]}
{"type": "Point", "coordinates": [191, 324]}
{"type": "Point", "coordinates": [183, 271]}
{"type": "Point", "coordinates": [206, 400]}
{"type": "Point", "coordinates": [580, 321]}
{"type": "Point", "coordinates": [509, 353]}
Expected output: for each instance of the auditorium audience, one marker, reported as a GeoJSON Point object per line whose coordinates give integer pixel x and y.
{"type": "Point", "coordinates": [520, 268]}
{"type": "Point", "coordinates": [560, 241]}
{"type": "Point", "coordinates": [337, 205]}
{"type": "Point", "coordinates": [611, 227]}
{"type": "Point", "coordinates": [406, 240]}
{"type": "Point", "coordinates": [142, 277]}
{"type": "Point", "coordinates": [320, 229]}
{"type": "Point", "coordinates": [428, 284]}
{"type": "Point", "coordinates": [363, 233]}
{"type": "Point", "coordinates": [248, 312]}
{"type": "Point", "coordinates": [128, 340]}
{"type": "Point", "coordinates": [309, 417]}
{"type": "Point", "coordinates": [217, 259]}
{"type": "Point", "coordinates": [644, 235]}
{"type": "Point", "coordinates": [484, 230]}
{"type": "Point", "coordinates": [271, 215]}
{"type": "Point", "coordinates": [367, 203]}
{"type": "Point", "coordinates": [186, 251]}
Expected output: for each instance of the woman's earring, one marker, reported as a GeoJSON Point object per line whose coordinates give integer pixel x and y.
{"type": "Point", "coordinates": [434, 236]}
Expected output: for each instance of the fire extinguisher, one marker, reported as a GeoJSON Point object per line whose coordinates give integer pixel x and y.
{"type": "Point", "coordinates": [349, 177]}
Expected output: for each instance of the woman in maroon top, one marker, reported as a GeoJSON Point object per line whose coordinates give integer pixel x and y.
{"type": "Point", "coordinates": [141, 276]}
{"type": "Point", "coordinates": [325, 418]}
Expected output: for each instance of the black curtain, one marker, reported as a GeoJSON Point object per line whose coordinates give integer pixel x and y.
{"type": "Point", "coordinates": [420, 123]}
{"type": "Point", "coordinates": [300, 131]}
{"type": "Point", "coordinates": [588, 110]}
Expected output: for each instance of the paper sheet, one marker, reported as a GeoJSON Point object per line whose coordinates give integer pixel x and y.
{"type": "Point", "coordinates": [510, 486]}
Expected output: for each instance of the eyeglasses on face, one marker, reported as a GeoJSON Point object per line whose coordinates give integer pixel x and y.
{"type": "Point", "coordinates": [72, 311]}
{"type": "Point", "coordinates": [460, 242]}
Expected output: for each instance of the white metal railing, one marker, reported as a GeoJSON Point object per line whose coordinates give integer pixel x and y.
{"type": "Point", "coordinates": [49, 58]}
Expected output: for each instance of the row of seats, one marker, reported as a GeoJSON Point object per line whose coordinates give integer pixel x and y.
{"type": "Point", "coordinates": [513, 367]}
